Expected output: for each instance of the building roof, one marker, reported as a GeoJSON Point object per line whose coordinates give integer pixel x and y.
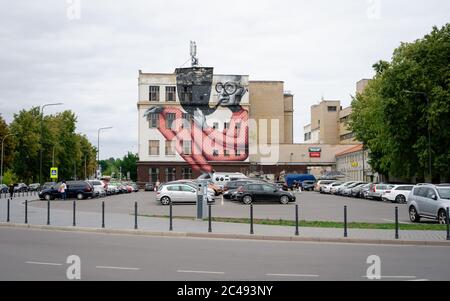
{"type": "Point", "coordinates": [350, 150]}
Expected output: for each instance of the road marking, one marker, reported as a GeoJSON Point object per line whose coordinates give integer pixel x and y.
{"type": "Point", "coordinates": [199, 272]}
{"type": "Point", "coordinates": [292, 275]}
{"type": "Point", "coordinates": [116, 268]}
{"type": "Point", "coordinates": [397, 277]}
{"type": "Point", "coordinates": [44, 263]}
{"type": "Point", "coordinates": [418, 280]}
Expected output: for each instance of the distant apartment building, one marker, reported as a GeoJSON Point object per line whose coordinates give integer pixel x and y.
{"type": "Point", "coordinates": [354, 164]}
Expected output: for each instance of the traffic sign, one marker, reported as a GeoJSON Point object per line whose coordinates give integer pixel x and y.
{"type": "Point", "coordinates": [54, 173]}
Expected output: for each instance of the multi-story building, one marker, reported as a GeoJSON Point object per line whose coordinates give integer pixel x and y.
{"type": "Point", "coordinates": [354, 164]}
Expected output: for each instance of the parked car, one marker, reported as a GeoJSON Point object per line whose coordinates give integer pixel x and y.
{"type": "Point", "coordinates": [347, 191]}
{"type": "Point", "coordinates": [232, 186]}
{"type": "Point", "coordinates": [397, 194]}
{"type": "Point", "coordinates": [112, 189]}
{"type": "Point", "coordinates": [328, 187]}
{"type": "Point", "coordinates": [135, 187]}
{"type": "Point", "coordinates": [178, 193]}
{"type": "Point", "coordinates": [358, 191]}
{"type": "Point", "coordinates": [3, 188]}
{"type": "Point", "coordinates": [282, 185]}
{"type": "Point", "coordinates": [321, 183]}
{"type": "Point", "coordinates": [34, 187]}
{"type": "Point", "coordinates": [254, 192]}
{"type": "Point", "coordinates": [221, 178]}
{"type": "Point", "coordinates": [149, 187]}
{"type": "Point", "coordinates": [308, 185]}
{"type": "Point", "coordinates": [300, 178]}
{"type": "Point", "coordinates": [21, 187]}
{"type": "Point", "coordinates": [48, 185]}
{"type": "Point", "coordinates": [98, 188]}
{"type": "Point", "coordinates": [75, 189]}
{"type": "Point", "coordinates": [338, 190]}
{"type": "Point", "coordinates": [376, 191]}
{"type": "Point", "coordinates": [429, 201]}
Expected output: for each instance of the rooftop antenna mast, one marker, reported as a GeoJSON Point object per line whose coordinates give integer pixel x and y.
{"type": "Point", "coordinates": [194, 59]}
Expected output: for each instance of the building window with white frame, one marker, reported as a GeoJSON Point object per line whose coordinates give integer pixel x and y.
{"type": "Point", "coordinates": [153, 147]}
{"type": "Point", "coordinates": [153, 121]}
{"type": "Point", "coordinates": [170, 149]}
{"type": "Point", "coordinates": [170, 118]}
{"type": "Point", "coordinates": [187, 147]}
{"type": "Point", "coordinates": [153, 174]}
{"type": "Point", "coordinates": [186, 173]}
{"type": "Point", "coordinates": [171, 93]}
{"type": "Point", "coordinates": [153, 93]}
{"type": "Point", "coordinates": [170, 174]}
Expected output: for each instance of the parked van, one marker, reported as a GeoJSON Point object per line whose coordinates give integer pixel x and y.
{"type": "Point", "coordinates": [221, 178]}
{"type": "Point", "coordinates": [290, 178]}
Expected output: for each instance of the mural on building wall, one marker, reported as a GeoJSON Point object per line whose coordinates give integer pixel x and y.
{"type": "Point", "coordinates": [201, 94]}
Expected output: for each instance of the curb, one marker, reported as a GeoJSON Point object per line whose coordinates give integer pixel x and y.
{"type": "Point", "coordinates": [229, 236]}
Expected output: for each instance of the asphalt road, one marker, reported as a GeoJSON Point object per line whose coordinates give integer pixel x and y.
{"type": "Point", "coordinates": [313, 206]}
{"type": "Point", "coordinates": [41, 255]}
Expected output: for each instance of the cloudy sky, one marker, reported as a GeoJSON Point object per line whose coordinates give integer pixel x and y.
{"type": "Point", "coordinates": [87, 53]}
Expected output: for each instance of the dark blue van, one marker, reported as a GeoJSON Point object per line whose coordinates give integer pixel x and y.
{"type": "Point", "coordinates": [290, 178]}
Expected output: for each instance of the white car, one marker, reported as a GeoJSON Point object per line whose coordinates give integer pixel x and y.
{"type": "Point", "coordinates": [178, 193]}
{"type": "Point", "coordinates": [327, 188]}
{"type": "Point", "coordinates": [321, 183]}
{"type": "Point", "coordinates": [397, 194]}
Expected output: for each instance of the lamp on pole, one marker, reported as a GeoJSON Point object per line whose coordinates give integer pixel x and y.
{"type": "Point", "coordinates": [98, 145]}
{"type": "Point", "coordinates": [42, 119]}
{"type": "Point", "coordinates": [1, 174]}
{"type": "Point", "coordinates": [428, 128]}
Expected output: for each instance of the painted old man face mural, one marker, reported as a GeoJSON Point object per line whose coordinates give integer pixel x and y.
{"type": "Point", "coordinates": [204, 97]}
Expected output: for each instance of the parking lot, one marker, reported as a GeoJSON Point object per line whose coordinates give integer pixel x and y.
{"type": "Point", "coordinates": [312, 206]}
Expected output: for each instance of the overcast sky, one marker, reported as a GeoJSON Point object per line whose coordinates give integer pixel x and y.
{"type": "Point", "coordinates": [87, 53]}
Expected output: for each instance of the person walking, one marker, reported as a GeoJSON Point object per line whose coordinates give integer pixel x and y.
{"type": "Point", "coordinates": [62, 190]}
{"type": "Point", "coordinates": [11, 190]}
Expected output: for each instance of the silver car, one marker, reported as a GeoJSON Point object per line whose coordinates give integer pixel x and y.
{"type": "Point", "coordinates": [178, 193]}
{"type": "Point", "coordinates": [429, 201]}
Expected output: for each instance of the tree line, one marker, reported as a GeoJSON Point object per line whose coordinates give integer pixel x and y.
{"type": "Point", "coordinates": [403, 116]}
{"type": "Point", "coordinates": [119, 168]}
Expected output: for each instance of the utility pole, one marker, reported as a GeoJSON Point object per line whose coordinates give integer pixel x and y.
{"type": "Point", "coordinates": [1, 174]}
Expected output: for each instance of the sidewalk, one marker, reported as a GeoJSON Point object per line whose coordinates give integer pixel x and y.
{"type": "Point", "coordinates": [114, 221]}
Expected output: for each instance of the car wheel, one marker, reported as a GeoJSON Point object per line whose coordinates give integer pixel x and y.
{"type": "Point", "coordinates": [80, 196]}
{"type": "Point", "coordinates": [47, 197]}
{"type": "Point", "coordinates": [165, 200]}
{"type": "Point", "coordinates": [284, 200]}
{"type": "Point", "coordinates": [247, 200]}
{"type": "Point", "coordinates": [442, 217]}
{"type": "Point", "coordinates": [413, 215]}
{"type": "Point", "coordinates": [400, 199]}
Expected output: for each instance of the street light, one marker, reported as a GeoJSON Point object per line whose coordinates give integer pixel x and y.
{"type": "Point", "coordinates": [428, 128]}
{"type": "Point", "coordinates": [98, 145]}
{"type": "Point", "coordinates": [1, 174]}
{"type": "Point", "coordinates": [42, 119]}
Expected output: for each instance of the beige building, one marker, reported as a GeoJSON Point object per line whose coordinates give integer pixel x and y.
{"type": "Point", "coordinates": [354, 164]}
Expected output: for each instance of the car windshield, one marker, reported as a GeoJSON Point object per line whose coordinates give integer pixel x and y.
{"type": "Point", "coordinates": [444, 193]}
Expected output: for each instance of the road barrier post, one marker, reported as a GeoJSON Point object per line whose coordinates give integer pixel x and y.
{"type": "Point", "coordinates": [7, 211]}
{"type": "Point", "coordinates": [209, 219]}
{"type": "Point", "coordinates": [170, 217]}
{"type": "Point", "coordinates": [48, 212]}
{"type": "Point", "coordinates": [73, 212]}
{"type": "Point", "coordinates": [448, 223]}
{"type": "Point", "coordinates": [26, 211]}
{"type": "Point", "coordinates": [345, 222]}
{"type": "Point", "coordinates": [396, 223]}
{"type": "Point", "coordinates": [251, 219]}
{"type": "Point", "coordinates": [296, 220]}
{"type": "Point", "coordinates": [103, 214]}
{"type": "Point", "coordinates": [135, 215]}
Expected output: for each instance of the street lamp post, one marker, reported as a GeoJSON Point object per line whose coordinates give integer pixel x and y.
{"type": "Point", "coordinates": [1, 174]}
{"type": "Point", "coordinates": [428, 128]}
{"type": "Point", "coordinates": [98, 146]}
{"type": "Point", "coordinates": [42, 119]}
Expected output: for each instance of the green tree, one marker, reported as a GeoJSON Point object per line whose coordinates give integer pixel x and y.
{"type": "Point", "coordinates": [8, 144]}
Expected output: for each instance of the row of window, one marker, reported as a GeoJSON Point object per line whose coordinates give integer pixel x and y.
{"type": "Point", "coordinates": [347, 136]}
{"type": "Point", "coordinates": [187, 118]}
{"type": "Point", "coordinates": [170, 174]}
{"type": "Point", "coordinates": [308, 136]}
{"type": "Point", "coordinates": [171, 93]}
{"type": "Point", "coordinates": [153, 148]}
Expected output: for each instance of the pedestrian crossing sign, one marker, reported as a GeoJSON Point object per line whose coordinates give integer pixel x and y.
{"type": "Point", "coordinates": [54, 173]}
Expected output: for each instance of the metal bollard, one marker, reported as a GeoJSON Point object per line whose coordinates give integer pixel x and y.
{"type": "Point", "coordinates": [209, 219]}
{"type": "Point", "coordinates": [7, 211]}
{"type": "Point", "coordinates": [135, 215]}
{"type": "Point", "coordinates": [26, 211]}
{"type": "Point", "coordinates": [48, 212]}
{"type": "Point", "coordinates": [251, 219]}
{"type": "Point", "coordinates": [103, 214]}
{"type": "Point", "coordinates": [296, 220]}
{"type": "Point", "coordinates": [448, 223]}
{"type": "Point", "coordinates": [396, 223]}
{"type": "Point", "coordinates": [73, 217]}
{"type": "Point", "coordinates": [170, 216]}
{"type": "Point", "coordinates": [345, 222]}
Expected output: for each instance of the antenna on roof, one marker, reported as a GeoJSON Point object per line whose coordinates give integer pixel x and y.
{"type": "Point", "coordinates": [193, 50]}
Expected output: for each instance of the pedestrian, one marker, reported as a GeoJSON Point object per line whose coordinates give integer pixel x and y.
{"type": "Point", "coordinates": [62, 190]}
{"type": "Point", "coordinates": [11, 190]}
{"type": "Point", "coordinates": [157, 185]}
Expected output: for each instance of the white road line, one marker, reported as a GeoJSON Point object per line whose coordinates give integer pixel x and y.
{"type": "Point", "coordinates": [200, 272]}
{"type": "Point", "coordinates": [116, 268]}
{"type": "Point", "coordinates": [418, 280]}
{"type": "Point", "coordinates": [43, 263]}
{"type": "Point", "coordinates": [394, 277]}
{"type": "Point", "coordinates": [292, 275]}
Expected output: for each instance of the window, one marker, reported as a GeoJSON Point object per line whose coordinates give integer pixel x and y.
{"type": "Point", "coordinates": [307, 136]}
{"type": "Point", "coordinates": [226, 152]}
{"type": "Point", "coordinates": [238, 152]}
{"type": "Point", "coordinates": [215, 153]}
{"type": "Point", "coordinates": [154, 121]}
{"type": "Point", "coordinates": [187, 147]}
{"type": "Point", "coordinates": [173, 188]}
{"type": "Point", "coordinates": [226, 125]}
{"type": "Point", "coordinates": [187, 173]}
{"type": "Point", "coordinates": [268, 188]}
{"type": "Point", "coordinates": [170, 118]}
{"type": "Point", "coordinates": [332, 109]}
{"type": "Point", "coordinates": [170, 151]}
{"type": "Point", "coordinates": [171, 93]}
{"type": "Point", "coordinates": [215, 125]}
{"type": "Point", "coordinates": [170, 174]}
{"type": "Point", "coordinates": [238, 127]}
{"type": "Point", "coordinates": [187, 188]}
{"type": "Point", "coordinates": [153, 147]}
{"type": "Point", "coordinates": [254, 187]}
{"type": "Point", "coordinates": [187, 118]}
{"type": "Point", "coordinates": [154, 174]}
{"type": "Point", "coordinates": [404, 188]}
{"type": "Point", "coordinates": [153, 93]}
{"type": "Point", "coordinates": [347, 136]}
{"type": "Point", "coordinates": [186, 94]}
